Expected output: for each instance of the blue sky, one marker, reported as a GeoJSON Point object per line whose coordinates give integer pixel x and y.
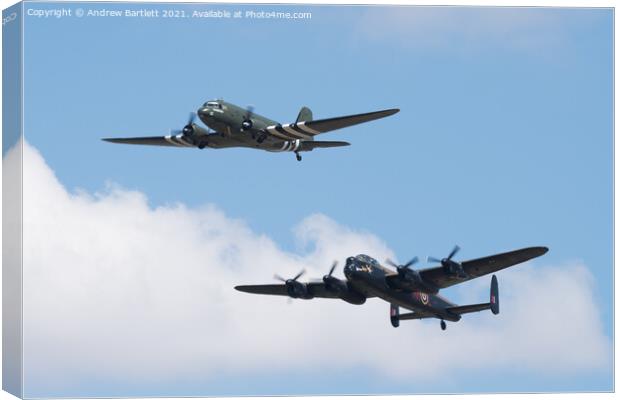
{"type": "Point", "coordinates": [504, 139]}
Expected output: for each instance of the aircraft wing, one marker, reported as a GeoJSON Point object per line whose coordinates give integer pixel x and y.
{"type": "Point", "coordinates": [480, 266]}
{"type": "Point", "coordinates": [170, 140]}
{"type": "Point", "coordinates": [316, 289]}
{"type": "Point", "coordinates": [309, 129]}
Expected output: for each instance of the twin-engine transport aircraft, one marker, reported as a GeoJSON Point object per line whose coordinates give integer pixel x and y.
{"type": "Point", "coordinates": [415, 290]}
{"type": "Point", "coordinates": [232, 126]}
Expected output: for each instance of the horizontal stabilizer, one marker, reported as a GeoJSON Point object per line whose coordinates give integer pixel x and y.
{"type": "Point", "coordinates": [414, 315]}
{"type": "Point", "coordinates": [313, 144]}
{"type": "Point", "coordinates": [492, 305]}
{"type": "Point", "coordinates": [469, 308]}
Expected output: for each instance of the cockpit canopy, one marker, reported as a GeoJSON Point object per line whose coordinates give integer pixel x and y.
{"type": "Point", "coordinates": [213, 104]}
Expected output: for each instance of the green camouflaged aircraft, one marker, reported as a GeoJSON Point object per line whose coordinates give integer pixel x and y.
{"type": "Point", "coordinates": [415, 290]}
{"type": "Point", "coordinates": [233, 126]}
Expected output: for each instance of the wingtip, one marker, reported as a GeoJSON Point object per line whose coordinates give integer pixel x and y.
{"type": "Point", "coordinates": [539, 250]}
{"type": "Point", "coordinates": [390, 111]}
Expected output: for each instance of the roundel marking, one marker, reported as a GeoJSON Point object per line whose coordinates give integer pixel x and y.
{"type": "Point", "coordinates": [424, 298]}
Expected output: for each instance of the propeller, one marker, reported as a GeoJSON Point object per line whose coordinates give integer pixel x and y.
{"type": "Point", "coordinates": [331, 270]}
{"type": "Point", "coordinates": [447, 259]}
{"type": "Point", "coordinates": [247, 119]}
{"type": "Point", "coordinates": [451, 267]}
{"type": "Point", "coordinates": [188, 129]}
{"type": "Point", "coordinates": [278, 277]}
{"type": "Point", "coordinates": [402, 269]}
{"type": "Point", "coordinates": [295, 289]}
{"type": "Point", "coordinates": [332, 283]}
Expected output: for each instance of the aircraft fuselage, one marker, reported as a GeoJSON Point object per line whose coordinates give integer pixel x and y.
{"type": "Point", "coordinates": [368, 277]}
{"type": "Point", "coordinates": [226, 120]}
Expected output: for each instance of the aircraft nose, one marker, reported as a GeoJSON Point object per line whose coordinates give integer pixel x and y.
{"type": "Point", "coordinates": [203, 112]}
{"type": "Point", "coordinates": [349, 268]}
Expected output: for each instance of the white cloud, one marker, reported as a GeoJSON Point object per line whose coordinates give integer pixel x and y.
{"type": "Point", "coordinates": [464, 29]}
{"type": "Point", "coordinates": [117, 290]}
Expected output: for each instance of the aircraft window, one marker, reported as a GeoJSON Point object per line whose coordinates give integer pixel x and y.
{"type": "Point", "coordinates": [213, 104]}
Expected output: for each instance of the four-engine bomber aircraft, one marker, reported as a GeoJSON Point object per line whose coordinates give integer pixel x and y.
{"type": "Point", "coordinates": [232, 126]}
{"type": "Point", "coordinates": [405, 287]}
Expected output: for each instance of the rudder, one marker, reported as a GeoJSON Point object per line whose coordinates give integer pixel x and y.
{"type": "Point", "coordinates": [394, 315]}
{"type": "Point", "coordinates": [494, 296]}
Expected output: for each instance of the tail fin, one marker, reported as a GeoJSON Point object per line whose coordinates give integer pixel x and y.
{"type": "Point", "coordinates": [304, 115]}
{"type": "Point", "coordinates": [394, 315]}
{"type": "Point", "coordinates": [494, 296]}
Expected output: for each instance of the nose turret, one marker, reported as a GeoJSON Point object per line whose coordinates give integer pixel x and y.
{"type": "Point", "coordinates": [349, 267]}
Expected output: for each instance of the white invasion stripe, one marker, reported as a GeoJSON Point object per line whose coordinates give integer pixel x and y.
{"type": "Point", "coordinates": [182, 139]}
{"type": "Point", "coordinates": [302, 125]}
{"type": "Point", "coordinates": [169, 140]}
{"type": "Point", "coordinates": [287, 134]}
{"type": "Point", "coordinates": [179, 138]}
{"type": "Point", "coordinates": [290, 130]}
{"type": "Point", "coordinates": [284, 146]}
{"type": "Point", "coordinates": [297, 144]}
{"type": "Point", "coordinates": [273, 131]}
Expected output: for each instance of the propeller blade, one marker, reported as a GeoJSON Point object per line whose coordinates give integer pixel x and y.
{"type": "Point", "coordinates": [175, 132]}
{"type": "Point", "coordinates": [433, 259]}
{"type": "Point", "coordinates": [249, 111]}
{"type": "Point", "coordinates": [278, 277]}
{"type": "Point", "coordinates": [192, 118]}
{"type": "Point", "coordinates": [391, 263]}
{"type": "Point", "coordinates": [453, 252]}
{"type": "Point", "coordinates": [331, 270]}
{"type": "Point", "coordinates": [411, 262]}
{"type": "Point", "coordinates": [303, 271]}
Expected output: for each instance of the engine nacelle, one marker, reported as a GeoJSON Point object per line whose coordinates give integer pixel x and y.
{"type": "Point", "coordinates": [353, 298]}
{"type": "Point", "coordinates": [199, 131]}
{"type": "Point", "coordinates": [343, 291]}
{"type": "Point", "coordinates": [247, 125]}
{"type": "Point", "coordinates": [420, 284]}
{"type": "Point", "coordinates": [453, 268]}
{"type": "Point", "coordinates": [297, 290]}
